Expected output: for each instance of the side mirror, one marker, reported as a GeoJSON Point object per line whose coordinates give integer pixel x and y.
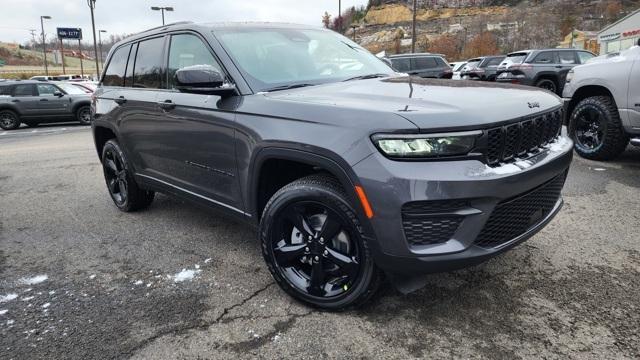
{"type": "Point", "coordinates": [58, 94]}
{"type": "Point", "coordinates": [203, 79]}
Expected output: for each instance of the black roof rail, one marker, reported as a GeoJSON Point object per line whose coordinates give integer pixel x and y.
{"type": "Point", "coordinates": [166, 25]}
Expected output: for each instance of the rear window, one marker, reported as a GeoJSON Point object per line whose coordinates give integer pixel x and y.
{"type": "Point", "coordinates": [493, 62]}
{"type": "Point", "coordinates": [114, 75]}
{"type": "Point", "coordinates": [420, 63]}
{"type": "Point", "coordinates": [5, 90]}
{"type": "Point", "coordinates": [545, 57]}
{"type": "Point", "coordinates": [148, 70]}
{"type": "Point", "coordinates": [24, 90]}
{"type": "Point", "coordinates": [472, 64]}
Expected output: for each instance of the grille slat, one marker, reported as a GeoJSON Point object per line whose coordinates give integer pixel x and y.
{"type": "Point", "coordinates": [431, 222]}
{"type": "Point", "coordinates": [507, 142]}
{"type": "Point", "coordinates": [512, 218]}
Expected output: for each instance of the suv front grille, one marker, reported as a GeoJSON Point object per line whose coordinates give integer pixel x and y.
{"type": "Point", "coordinates": [431, 222]}
{"type": "Point", "coordinates": [505, 143]}
{"type": "Point", "coordinates": [514, 217]}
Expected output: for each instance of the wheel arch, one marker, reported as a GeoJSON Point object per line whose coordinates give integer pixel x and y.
{"type": "Point", "coordinates": [80, 104]}
{"type": "Point", "coordinates": [10, 108]}
{"type": "Point", "coordinates": [547, 76]}
{"type": "Point", "coordinates": [266, 165]}
{"type": "Point", "coordinates": [102, 134]}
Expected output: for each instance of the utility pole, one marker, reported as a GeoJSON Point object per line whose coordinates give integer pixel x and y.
{"type": "Point", "coordinates": [92, 5]}
{"type": "Point", "coordinates": [44, 44]}
{"type": "Point", "coordinates": [33, 36]}
{"type": "Point", "coordinates": [340, 16]}
{"type": "Point", "coordinates": [100, 44]}
{"type": "Point", "coordinates": [81, 56]}
{"type": "Point", "coordinates": [64, 70]}
{"type": "Point", "coordinates": [413, 33]}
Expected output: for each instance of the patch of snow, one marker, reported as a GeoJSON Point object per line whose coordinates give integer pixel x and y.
{"type": "Point", "coordinates": [52, 292]}
{"type": "Point", "coordinates": [3, 311]}
{"type": "Point", "coordinates": [197, 266]}
{"type": "Point", "coordinates": [206, 261]}
{"type": "Point", "coordinates": [8, 297]}
{"type": "Point", "coordinates": [34, 280]}
{"type": "Point", "coordinates": [92, 276]}
{"type": "Point", "coordinates": [29, 289]}
{"type": "Point", "coordinates": [138, 282]}
{"type": "Point", "coordinates": [46, 305]}
{"type": "Point", "coordinates": [149, 285]}
{"type": "Point", "coordinates": [276, 337]}
{"type": "Point", "coordinates": [28, 298]}
{"type": "Point", "coordinates": [10, 322]}
{"type": "Point", "coordinates": [185, 275]}
{"type": "Point", "coordinates": [558, 145]}
{"type": "Point", "coordinates": [599, 169]}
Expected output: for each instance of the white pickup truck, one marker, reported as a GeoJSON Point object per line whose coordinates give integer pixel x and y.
{"type": "Point", "coordinates": [602, 102]}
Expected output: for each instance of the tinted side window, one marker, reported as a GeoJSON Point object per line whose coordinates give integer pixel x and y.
{"type": "Point", "coordinates": [544, 58]}
{"type": "Point", "coordinates": [147, 72]}
{"type": "Point", "coordinates": [584, 56]}
{"type": "Point", "coordinates": [494, 62]}
{"type": "Point", "coordinates": [441, 62]}
{"type": "Point", "coordinates": [424, 63]}
{"type": "Point", "coordinates": [188, 50]}
{"type": "Point", "coordinates": [401, 65]}
{"type": "Point", "coordinates": [5, 90]}
{"type": "Point", "coordinates": [46, 89]}
{"type": "Point", "coordinates": [567, 57]}
{"type": "Point", "coordinates": [114, 75]}
{"type": "Point", "coordinates": [24, 90]}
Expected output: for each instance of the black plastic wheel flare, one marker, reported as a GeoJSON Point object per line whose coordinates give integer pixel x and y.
{"type": "Point", "coordinates": [314, 249]}
{"type": "Point", "coordinates": [590, 128]}
{"type": "Point", "coordinates": [116, 177]}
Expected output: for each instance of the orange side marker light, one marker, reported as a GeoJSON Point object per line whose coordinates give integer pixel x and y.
{"type": "Point", "coordinates": [364, 201]}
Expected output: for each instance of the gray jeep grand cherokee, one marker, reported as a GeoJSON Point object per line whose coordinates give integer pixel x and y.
{"type": "Point", "coordinates": [348, 169]}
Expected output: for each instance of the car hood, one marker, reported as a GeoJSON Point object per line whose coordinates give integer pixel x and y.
{"type": "Point", "coordinates": [430, 104]}
{"type": "Point", "coordinates": [630, 53]}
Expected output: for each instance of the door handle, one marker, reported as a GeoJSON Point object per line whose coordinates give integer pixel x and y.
{"type": "Point", "coordinates": [15, 101]}
{"type": "Point", "coordinates": [167, 105]}
{"type": "Point", "coordinates": [120, 100]}
{"type": "Point", "coordinates": [558, 66]}
{"type": "Point", "coordinates": [44, 99]}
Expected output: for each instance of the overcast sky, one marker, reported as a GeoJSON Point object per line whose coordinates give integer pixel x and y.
{"type": "Point", "coordinates": [129, 16]}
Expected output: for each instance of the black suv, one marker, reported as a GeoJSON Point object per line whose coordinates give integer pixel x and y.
{"type": "Point", "coordinates": [347, 168]}
{"type": "Point", "coordinates": [35, 102]}
{"type": "Point", "coordinates": [483, 68]}
{"type": "Point", "coordinates": [422, 65]}
{"type": "Point", "coordinates": [545, 69]}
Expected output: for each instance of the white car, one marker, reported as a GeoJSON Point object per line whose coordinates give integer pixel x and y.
{"type": "Point", "coordinates": [457, 67]}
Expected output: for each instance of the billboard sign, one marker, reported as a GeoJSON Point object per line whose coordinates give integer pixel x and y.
{"type": "Point", "coordinates": [70, 33]}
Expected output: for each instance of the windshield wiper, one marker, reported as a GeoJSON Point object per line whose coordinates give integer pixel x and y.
{"type": "Point", "coordinates": [287, 87]}
{"type": "Point", "coordinates": [369, 76]}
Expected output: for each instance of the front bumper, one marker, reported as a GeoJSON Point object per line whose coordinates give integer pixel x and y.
{"type": "Point", "coordinates": [390, 185]}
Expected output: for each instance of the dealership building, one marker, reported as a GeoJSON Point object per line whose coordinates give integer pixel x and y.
{"type": "Point", "coordinates": [620, 35]}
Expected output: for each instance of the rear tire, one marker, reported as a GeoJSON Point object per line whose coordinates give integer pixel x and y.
{"type": "Point", "coordinates": [548, 84]}
{"type": "Point", "coordinates": [124, 191]}
{"type": "Point", "coordinates": [597, 130]}
{"type": "Point", "coordinates": [83, 115]}
{"type": "Point", "coordinates": [9, 120]}
{"type": "Point", "coordinates": [298, 256]}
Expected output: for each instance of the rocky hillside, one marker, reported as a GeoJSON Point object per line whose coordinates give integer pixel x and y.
{"type": "Point", "coordinates": [467, 28]}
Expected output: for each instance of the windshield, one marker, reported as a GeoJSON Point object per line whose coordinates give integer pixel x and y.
{"type": "Point", "coordinates": [70, 89]}
{"type": "Point", "coordinates": [270, 58]}
{"type": "Point", "coordinates": [472, 64]}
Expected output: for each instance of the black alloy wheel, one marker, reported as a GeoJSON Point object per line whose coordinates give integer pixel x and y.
{"type": "Point", "coordinates": [314, 247]}
{"type": "Point", "coordinates": [590, 128]}
{"type": "Point", "coordinates": [9, 120]}
{"type": "Point", "coordinates": [547, 85]}
{"type": "Point", "coordinates": [313, 250]}
{"type": "Point", "coordinates": [116, 176]}
{"type": "Point", "coordinates": [124, 191]}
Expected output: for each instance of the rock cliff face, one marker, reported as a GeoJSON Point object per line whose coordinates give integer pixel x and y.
{"type": "Point", "coordinates": [453, 24]}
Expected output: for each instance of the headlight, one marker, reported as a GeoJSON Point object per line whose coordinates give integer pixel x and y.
{"type": "Point", "coordinates": [426, 145]}
{"type": "Point", "coordinates": [569, 76]}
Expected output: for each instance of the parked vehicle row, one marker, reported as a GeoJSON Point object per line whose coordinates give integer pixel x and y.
{"type": "Point", "coordinates": [35, 102]}
{"type": "Point", "coordinates": [422, 65]}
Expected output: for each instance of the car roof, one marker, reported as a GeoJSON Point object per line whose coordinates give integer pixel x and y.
{"type": "Point", "coordinates": [12, 82]}
{"type": "Point", "coordinates": [396, 56]}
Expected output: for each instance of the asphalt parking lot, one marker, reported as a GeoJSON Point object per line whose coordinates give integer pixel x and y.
{"type": "Point", "coordinates": [79, 279]}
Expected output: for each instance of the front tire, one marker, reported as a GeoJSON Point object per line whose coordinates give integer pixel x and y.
{"type": "Point", "coordinates": [314, 247]}
{"type": "Point", "coordinates": [9, 120]}
{"type": "Point", "coordinates": [124, 191]}
{"type": "Point", "coordinates": [596, 129]}
{"type": "Point", "coordinates": [83, 115]}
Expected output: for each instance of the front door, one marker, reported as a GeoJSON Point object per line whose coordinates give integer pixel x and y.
{"type": "Point", "coordinates": [196, 131]}
{"type": "Point", "coordinates": [634, 95]}
{"type": "Point", "coordinates": [50, 104]}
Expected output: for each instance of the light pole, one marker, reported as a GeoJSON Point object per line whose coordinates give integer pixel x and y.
{"type": "Point", "coordinates": [44, 44]}
{"type": "Point", "coordinates": [92, 5]}
{"type": "Point", "coordinates": [100, 44]}
{"type": "Point", "coordinates": [340, 16]}
{"type": "Point", "coordinates": [163, 9]}
{"type": "Point", "coordinates": [413, 33]}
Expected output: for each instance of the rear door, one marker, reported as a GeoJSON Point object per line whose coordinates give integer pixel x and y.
{"type": "Point", "coordinates": [24, 98]}
{"type": "Point", "coordinates": [51, 105]}
{"type": "Point", "coordinates": [194, 137]}
{"type": "Point", "coordinates": [425, 66]}
{"type": "Point", "coordinates": [634, 94]}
